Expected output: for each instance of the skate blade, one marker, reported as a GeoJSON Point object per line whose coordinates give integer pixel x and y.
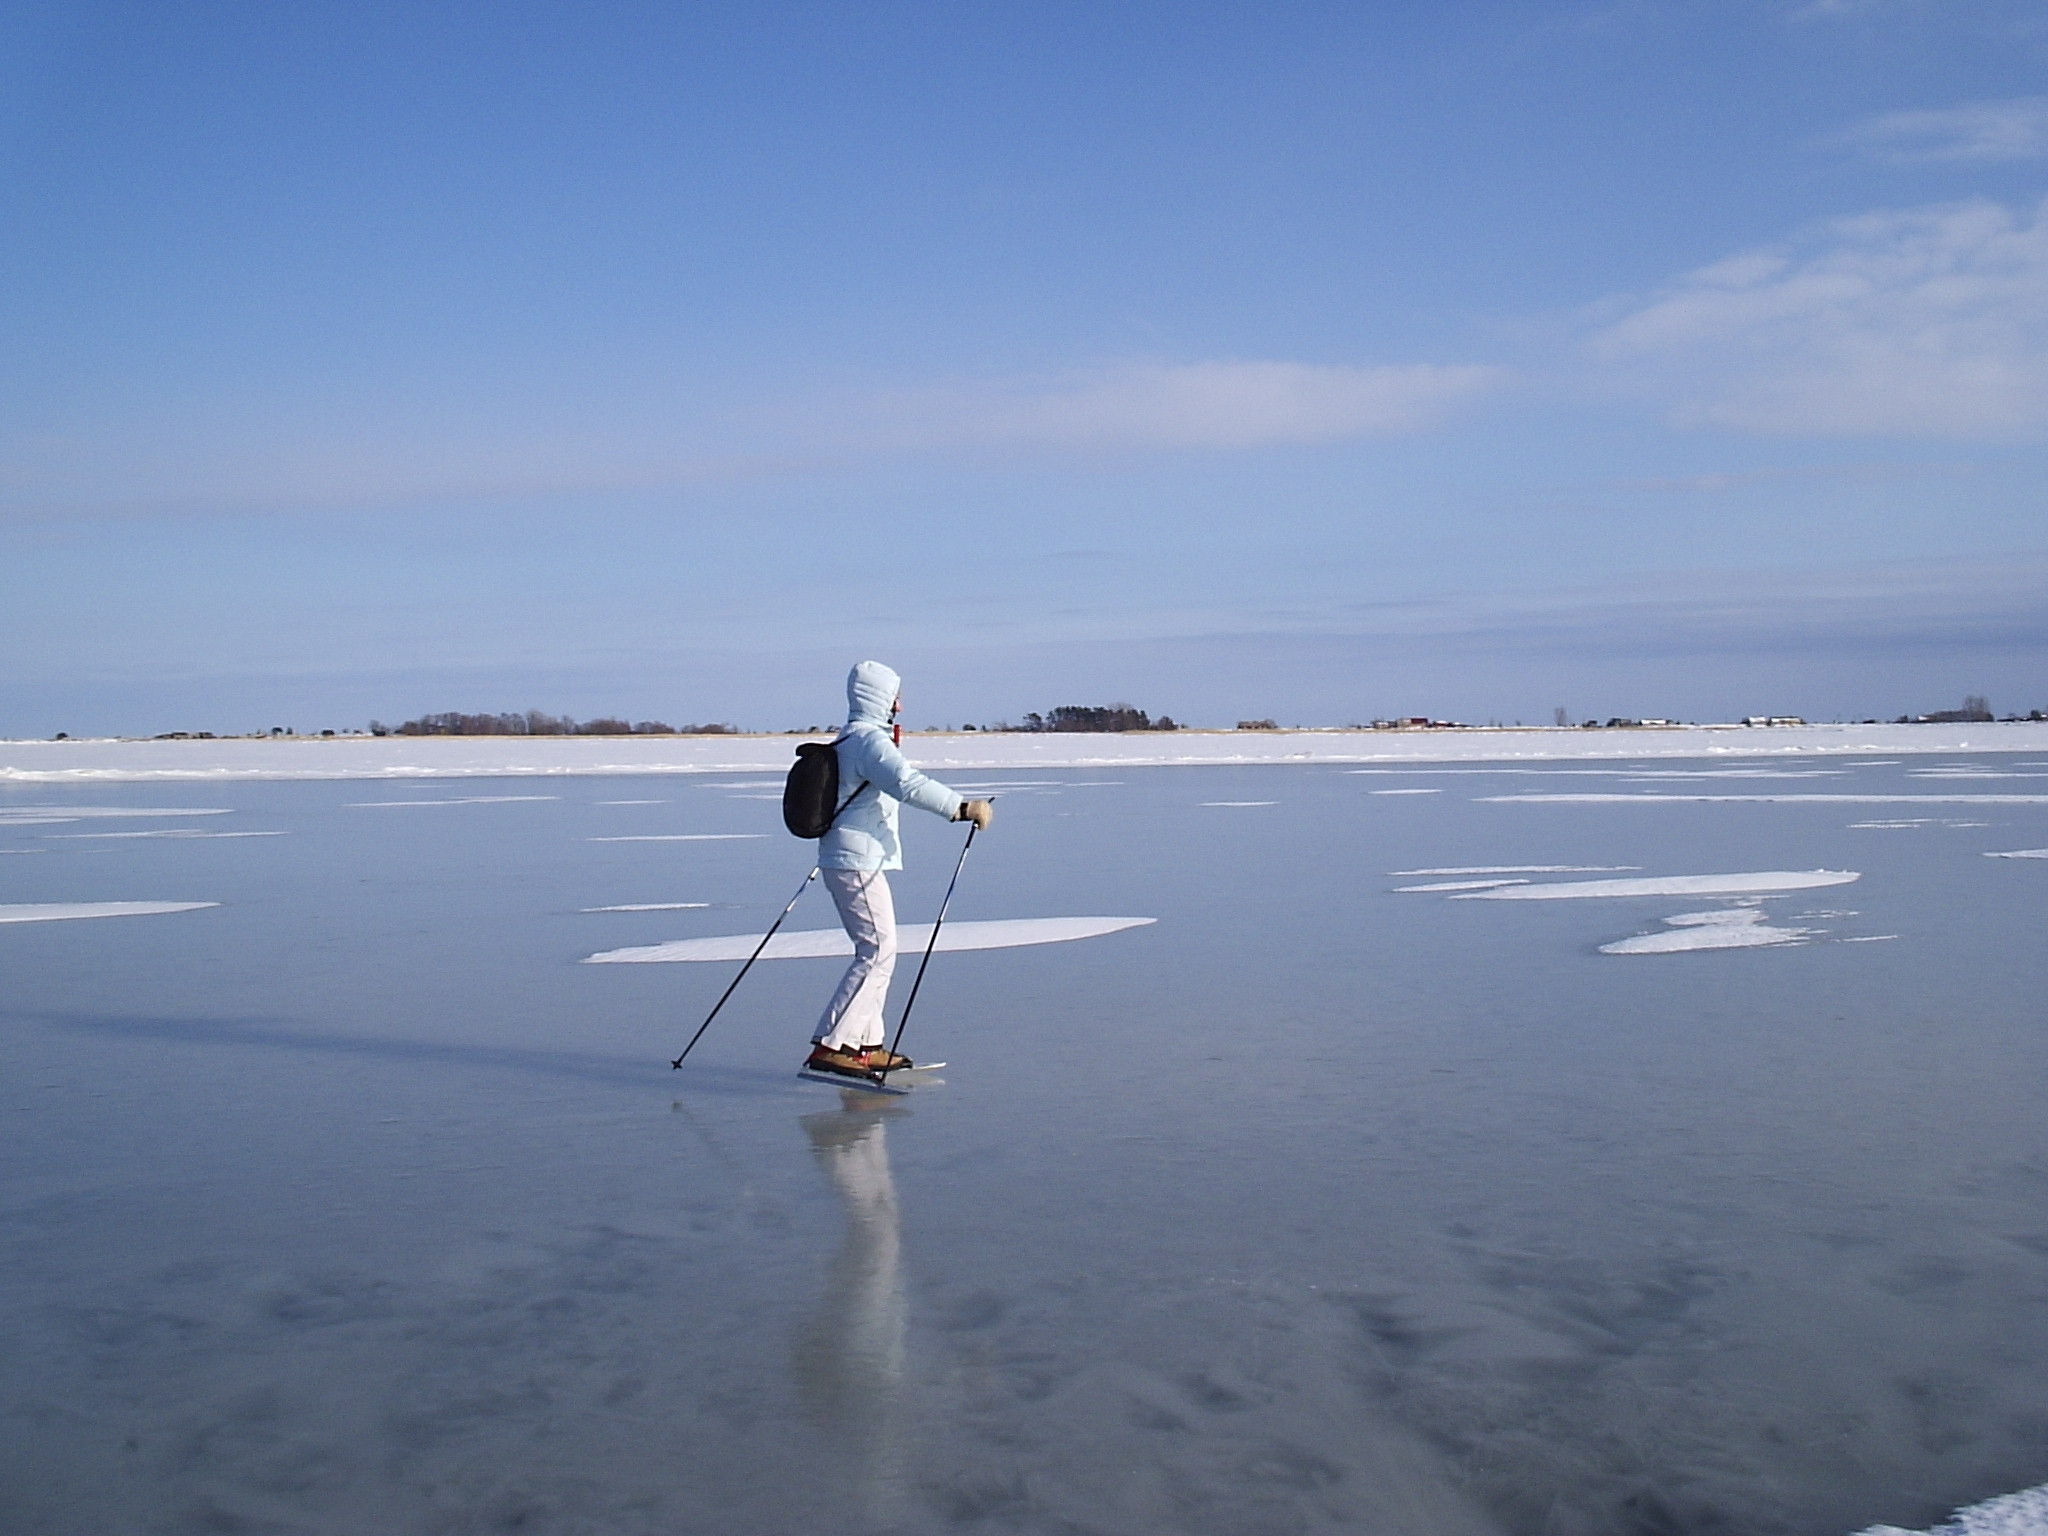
{"type": "Point", "coordinates": [857, 1084]}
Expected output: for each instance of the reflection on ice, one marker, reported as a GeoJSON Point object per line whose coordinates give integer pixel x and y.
{"type": "Point", "coordinates": [848, 1353]}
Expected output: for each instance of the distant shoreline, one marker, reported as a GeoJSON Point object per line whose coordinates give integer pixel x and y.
{"type": "Point", "coordinates": [129, 760]}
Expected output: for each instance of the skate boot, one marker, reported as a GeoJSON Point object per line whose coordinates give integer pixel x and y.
{"type": "Point", "coordinates": [839, 1063]}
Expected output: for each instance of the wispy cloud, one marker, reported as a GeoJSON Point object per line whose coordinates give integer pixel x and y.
{"type": "Point", "coordinates": [1925, 322]}
{"type": "Point", "coordinates": [1981, 130]}
{"type": "Point", "coordinates": [215, 464]}
{"type": "Point", "coordinates": [1220, 404]}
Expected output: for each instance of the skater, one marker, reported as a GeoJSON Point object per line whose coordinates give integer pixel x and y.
{"type": "Point", "coordinates": [854, 857]}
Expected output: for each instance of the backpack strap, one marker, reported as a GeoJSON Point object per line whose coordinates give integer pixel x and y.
{"type": "Point", "coordinates": [850, 798]}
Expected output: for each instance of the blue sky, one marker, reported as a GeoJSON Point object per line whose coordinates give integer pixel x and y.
{"type": "Point", "coordinates": [1314, 361]}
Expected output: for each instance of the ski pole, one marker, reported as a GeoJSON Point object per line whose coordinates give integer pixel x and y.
{"type": "Point", "coordinates": [930, 944]}
{"type": "Point", "coordinates": [750, 964]}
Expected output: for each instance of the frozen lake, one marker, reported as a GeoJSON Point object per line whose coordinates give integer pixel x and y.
{"type": "Point", "coordinates": [1384, 1183]}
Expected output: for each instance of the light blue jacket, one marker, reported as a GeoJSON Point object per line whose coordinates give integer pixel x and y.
{"type": "Point", "coordinates": [864, 836]}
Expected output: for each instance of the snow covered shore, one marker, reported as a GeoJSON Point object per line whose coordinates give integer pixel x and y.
{"type": "Point", "coordinates": [435, 757]}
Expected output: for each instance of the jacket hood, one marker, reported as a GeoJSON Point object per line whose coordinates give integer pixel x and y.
{"type": "Point", "coordinates": [870, 689]}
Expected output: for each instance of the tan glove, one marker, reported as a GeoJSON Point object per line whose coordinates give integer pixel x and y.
{"type": "Point", "coordinates": [980, 812]}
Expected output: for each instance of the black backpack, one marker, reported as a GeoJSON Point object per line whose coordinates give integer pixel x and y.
{"type": "Point", "coordinates": [810, 796]}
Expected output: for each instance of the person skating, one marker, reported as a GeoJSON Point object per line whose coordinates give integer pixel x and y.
{"type": "Point", "coordinates": [854, 858]}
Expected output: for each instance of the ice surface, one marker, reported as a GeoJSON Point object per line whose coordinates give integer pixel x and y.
{"type": "Point", "coordinates": [1672, 885]}
{"type": "Point", "coordinates": [1733, 928]}
{"type": "Point", "coordinates": [2020, 853]}
{"type": "Point", "coordinates": [681, 837]}
{"type": "Point", "coordinates": [1595, 799]}
{"type": "Point", "coordinates": [1225, 803]}
{"type": "Point", "coordinates": [2016, 1514]}
{"type": "Point", "coordinates": [60, 911]}
{"type": "Point", "coordinates": [451, 800]}
{"type": "Point", "coordinates": [1404, 791]}
{"type": "Point", "coordinates": [810, 944]}
{"type": "Point", "coordinates": [356, 1204]}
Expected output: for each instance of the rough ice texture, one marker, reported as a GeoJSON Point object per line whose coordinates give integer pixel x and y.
{"type": "Point", "coordinates": [1733, 928]}
{"type": "Point", "coordinates": [59, 911]}
{"type": "Point", "coordinates": [1756, 883]}
{"type": "Point", "coordinates": [2016, 1514]}
{"type": "Point", "coordinates": [2020, 853]}
{"type": "Point", "coordinates": [1001, 933]}
{"type": "Point", "coordinates": [415, 757]}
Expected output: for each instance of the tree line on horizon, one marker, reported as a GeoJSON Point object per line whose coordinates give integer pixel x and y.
{"type": "Point", "coordinates": [534, 722]}
{"type": "Point", "coordinates": [1100, 717]}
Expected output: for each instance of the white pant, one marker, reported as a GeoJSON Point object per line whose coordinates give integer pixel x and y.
{"type": "Point", "coordinates": [853, 1019]}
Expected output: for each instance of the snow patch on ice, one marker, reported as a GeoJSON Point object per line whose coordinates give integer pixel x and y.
{"type": "Point", "coordinates": [1730, 928]}
{"type": "Point", "coordinates": [164, 832]}
{"type": "Point", "coordinates": [1973, 773]}
{"type": "Point", "coordinates": [2014, 1514]}
{"type": "Point", "coordinates": [681, 837]}
{"type": "Point", "coordinates": [1000, 933]}
{"type": "Point", "coordinates": [649, 906]}
{"type": "Point", "coordinates": [1672, 885]}
{"type": "Point", "coordinates": [1646, 774]}
{"type": "Point", "coordinates": [458, 757]}
{"type": "Point", "coordinates": [1520, 869]}
{"type": "Point", "coordinates": [60, 911]}
{"type": "Point", "coordinates": [2020, 853]}
{"type": "Point", "coordinates": [1905, 822]}
{"type": "Point", "coordinates": [33, 815]}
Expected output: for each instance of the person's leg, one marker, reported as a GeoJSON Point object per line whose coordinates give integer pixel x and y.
{"type": "Point", "coordinates": [853, 1019]}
